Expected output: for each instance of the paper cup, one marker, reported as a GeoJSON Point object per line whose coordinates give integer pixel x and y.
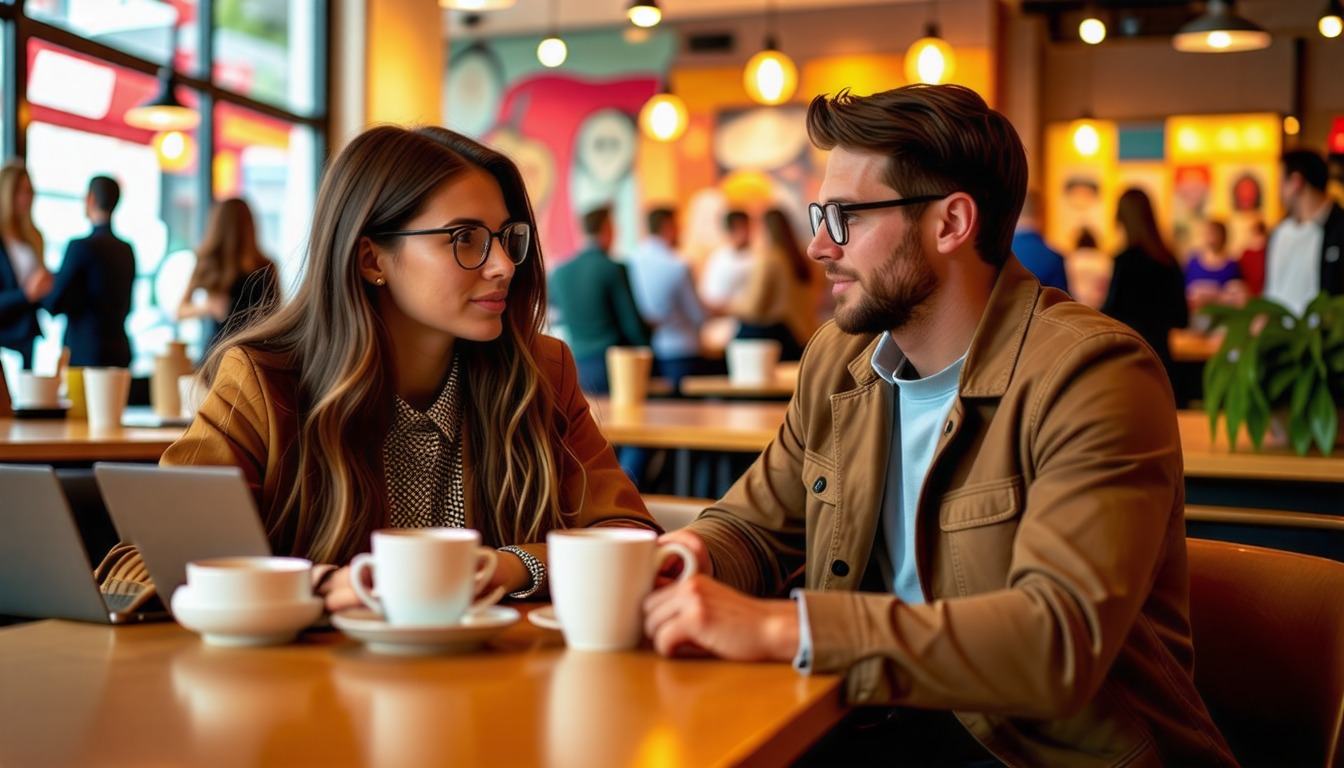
{"type": "Point", "coordinates": [628, 370]}
{"type": "Point", "coordinates": [74, 390]}
{"type": "Point", "coordinates": [105, 393]}
{"type": "Point", "coordinates": [37, 391]}
{"type": "Point", "coordinates": [751, 362]}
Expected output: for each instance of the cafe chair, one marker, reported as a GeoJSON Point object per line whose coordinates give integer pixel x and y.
{"type": "Point", "coordinates": [1268, 630]}
{"type": "Point", "coordinates": [673, 512]}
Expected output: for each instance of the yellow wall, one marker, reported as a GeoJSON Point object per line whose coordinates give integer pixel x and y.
{"type": "Point", "coordinates": [405, 57]}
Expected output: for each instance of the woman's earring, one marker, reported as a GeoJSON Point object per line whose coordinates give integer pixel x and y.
{"type": "Point", "coordinates": [379, 281]}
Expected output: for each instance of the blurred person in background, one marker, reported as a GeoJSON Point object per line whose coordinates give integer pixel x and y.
{"type": "Point", "coordinates": [665, 294]}
{"type": "Point", "coordinates": [728, 267]}
{"type": "Point", "coordinates": [24, 279]}
{"type": "Point", "coordinates": [1030, 248]}
{"type": "Point", "coordinates": [93, 288]}
{"type": "Point", "coordinates": [1147, 290]}
{"type": "Point", "coordinates": [233, 279]}
{"type": "Point", "coordinates": [596, 304]}
{"type": "Point", "coordinates": [1089, 271]}
{"type": "Point", "coordinates": [1252, 261]}
{"type": "Point", "coordinates": [1211, 275]}
{"type": "Point", "coordinates": [779, 298]}
{"type": "Point", "coordinates": [1304, 252]}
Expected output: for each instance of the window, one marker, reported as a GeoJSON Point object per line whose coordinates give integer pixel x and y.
{"type": "Point", "coordinates": [267, 50]}
{"type": "Point", "coordinates": [154, 30]}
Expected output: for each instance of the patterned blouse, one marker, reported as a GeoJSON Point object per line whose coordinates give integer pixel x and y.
{"type": "Point", "coordinates": [422, 457]}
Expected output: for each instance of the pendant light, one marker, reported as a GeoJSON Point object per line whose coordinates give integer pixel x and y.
{"type": "Point", "coordinates": [1220, 30]}
{"type": "Point", "coordinates": [476, 5]}
{"type": "Point", "coordinates": [552, 51]}
{"type": "Point", "coordinates": [770, 76]}
{"type": "Point", "coordinates": [930, 59]}
{"type": "Point", "coordinates": [664, 117]}
{"type": "Point", "coordinates": [163, 112]}
{"type": "Point", "coordinates": [1332, 21]}
{"type": "Point", "coordinates": [1092, 30]}
{"type": "Point", "coordinates": [644, 13]}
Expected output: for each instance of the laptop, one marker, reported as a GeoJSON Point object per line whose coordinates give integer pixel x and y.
{"type": "Point", "coordinates": [44, 569]}
{"type": "Point", "coordinates": [176, 514]}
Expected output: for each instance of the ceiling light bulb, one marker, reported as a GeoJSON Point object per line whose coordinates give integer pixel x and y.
{"type": "Point", "coordinates": [644, 14]}
{"type": "Point", "coordinates": [664, 117]}
{"type": "Point", "coordinates": [552, 52]}
{"type": "Point", "coordinates": [770, 77]}
{"type": "Point", "coordinates": [1331, 26]}
{"type": "Point", "coordinates": [1092, 31]}
{"type": "Point", "coordinates": [1220, 30]}
{"type": "Point", "coordinates": [1086, 140]}
{"type": "Point", "coordinates": [1291, 125]}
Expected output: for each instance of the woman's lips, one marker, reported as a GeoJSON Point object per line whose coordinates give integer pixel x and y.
{"type": "Point", "coordinates": [492, 302]}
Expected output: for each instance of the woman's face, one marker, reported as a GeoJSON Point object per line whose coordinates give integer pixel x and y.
{"type": "Point", "coordinates": [426, 289]}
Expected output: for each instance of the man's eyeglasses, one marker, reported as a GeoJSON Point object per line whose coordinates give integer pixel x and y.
{"type": "Point", "coordinates": [471, 242]}
{"type": "Point", "coordinates": [834, 214]}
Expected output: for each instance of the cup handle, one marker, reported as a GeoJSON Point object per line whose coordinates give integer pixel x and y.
{"type": "Point", "coordinates": [358, 566]}
{"type": "Point", "coordinates": [490, 559]}
{"type": "Point", "coordinates": [689, 567]}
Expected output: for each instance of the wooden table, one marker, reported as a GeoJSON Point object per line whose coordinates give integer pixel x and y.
{"type": "Point", "coordinates": [750, 426]}
{"type": "Point", "coordinates": [1189, 346]}
{"type": "Point", "coordinates": [86, 695]}
{"type": "Point", "coordinates": [779, 387]}
{"type": "Point", "coordinates": [69, 440]}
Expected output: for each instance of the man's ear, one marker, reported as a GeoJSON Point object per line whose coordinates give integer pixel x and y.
{"type": "Point", "coordinates": [958, 219]}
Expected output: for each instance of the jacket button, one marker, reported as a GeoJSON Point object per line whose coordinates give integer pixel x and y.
{"type": "Point", "coordinates": [840, 568]}
{"type": "Point", "coordinates": [947, 428]}
{"type": "Point", "coordinates": [819, 486]}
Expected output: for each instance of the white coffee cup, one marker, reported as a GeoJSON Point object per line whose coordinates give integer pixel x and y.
{"type": "Point", "coordinates": [37, 391]}
{"type": "Point", "coordinates": [599, 578]}
{"type": "Point", "coordinates": [246, 582]}
{"type": "Point", "coordinates": [425, 576]}
{"type": "Point", "coordinates": [751, 362]}
{"type": "Point", "coordinates": [105, 393]}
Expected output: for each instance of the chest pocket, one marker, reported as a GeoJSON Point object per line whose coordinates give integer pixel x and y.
{"type": "Point", "coordinates": [978, 523]}
{"type": "Point", "coordinates": [820, 481]}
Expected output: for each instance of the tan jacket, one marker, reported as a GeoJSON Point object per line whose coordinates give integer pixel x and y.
{"type": "Point", "coordinates": [1050, 539]}
{"type": "Point", "coordinates": [249, 420]}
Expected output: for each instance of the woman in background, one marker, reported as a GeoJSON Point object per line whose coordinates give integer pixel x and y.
{"type": "Point", "coordinates": [779, 302]}
{"type": "Point", "coordinates": [1147, 290]}
{"type": "Point", "coordinates": [407, 384]}
{"type": "Point", "coordinates": [233, 277]}
{"type": "Point", "coordinates": [24, 279]}
{"type": "Point", "coordinates": [1212, 276]}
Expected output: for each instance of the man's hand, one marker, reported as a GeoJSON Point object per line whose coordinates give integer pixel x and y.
{"type": "Point", "coordinates": [38, 285]}
{"type": "Point", "coordinates": [701, 614]}
{"type": "Point", "coordinates": [673, 566]}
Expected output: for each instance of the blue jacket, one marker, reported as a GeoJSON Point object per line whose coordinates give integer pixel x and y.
{"type": "Point", "coordinates": [93, 291]}
{"type": "Point", "coordinates": [18, 316]}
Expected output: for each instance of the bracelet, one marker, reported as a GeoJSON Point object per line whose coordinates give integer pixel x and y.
{"type": "Point", "coordinates": [534, 567]}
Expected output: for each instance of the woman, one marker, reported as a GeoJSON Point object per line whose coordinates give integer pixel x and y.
{"type": "Point", "coordinates": [407, 383]}
{"type": "Point", "coordinates": [779, 302]}
{"type": "Point", "coordinates": [1211, 275]}
{"type": "Point", "coordinates": [24, 279]}
{"type": "Point", "coordinates": [231, 271]}
{"type": "Point", "coordinates": [1147, 290]}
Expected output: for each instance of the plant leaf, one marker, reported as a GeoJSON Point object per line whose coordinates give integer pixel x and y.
{"type": "Point", "coordinates": [1281, 380]}
{"type": "Point", "coordinates": [1297, 406]}
{"type": "Point", "coordinates": [1299, 433]}
{"type": "Point", "coordinates": [1324, 420]}
{"type": "Point", "coordinates": [1234, 410]}
{"type": "Point", "coordinates": [1257, 420]}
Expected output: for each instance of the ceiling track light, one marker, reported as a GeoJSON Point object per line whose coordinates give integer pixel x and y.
{"type": "Point", "coordinates": [1331, 22]}
{"type": "Point", "coordinates": [644, 13]}
{"type": "Point", "coordinates": [1220, 30]}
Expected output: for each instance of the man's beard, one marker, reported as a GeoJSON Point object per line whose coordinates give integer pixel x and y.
{"type": "Point", "coordinates": [895, 294]}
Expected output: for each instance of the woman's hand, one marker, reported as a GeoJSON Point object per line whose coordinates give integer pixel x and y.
{"type": "Point", "coordinates": [38, 285]}
{"type": "Point", "coordinates": [510, 573]}
{"type": "Point", "coordinates": [336, 592]}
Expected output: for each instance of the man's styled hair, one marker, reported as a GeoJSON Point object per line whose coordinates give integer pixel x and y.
{"type": "Point", "coordinates": [657, 217]}
{"type": "Point", "coordinates": [733, 218]}
{"type": "Point", "coordinates": [106, 193]}
{"type": "Point", "coordinates": [937, 139]}
{"type": "Point", "coordinates": [1310, 165]}
{"type": "Point", "coordinates": [594, 220]}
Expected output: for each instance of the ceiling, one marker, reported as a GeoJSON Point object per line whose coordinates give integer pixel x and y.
{"type": "Point", "coordinates": [534, 16]}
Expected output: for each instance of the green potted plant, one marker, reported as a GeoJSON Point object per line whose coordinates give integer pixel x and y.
{"type": "Point", "coordinates": [1274, 364]}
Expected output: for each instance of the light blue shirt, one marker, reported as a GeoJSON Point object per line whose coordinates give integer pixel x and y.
{"type": "Point", "coordinates": [665, 295]}
{"type": "Point", "coordinates": [920, 411]}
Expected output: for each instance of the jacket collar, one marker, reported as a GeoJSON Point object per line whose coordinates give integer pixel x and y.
{"type": "Point", "coordinates": [997, 342]}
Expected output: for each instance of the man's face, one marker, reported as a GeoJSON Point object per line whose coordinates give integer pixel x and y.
{"type": "Point", "coordinates": [740, 235]}
{"type": "Point", "coordinates": [882, 277]}
{"type": "Point", "coordinates": [1291, 189]}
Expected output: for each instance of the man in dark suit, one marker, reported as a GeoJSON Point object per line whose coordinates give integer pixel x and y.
{"type": "Point", "coordinates": [93, 288]}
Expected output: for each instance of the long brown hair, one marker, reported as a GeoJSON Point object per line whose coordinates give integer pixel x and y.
{"type": "Point", "coordinates": [16, 224]}
{"type": "Point", "coordinates": [780, 235]}
{"type": "Point", "coordinates": [332, 340]}
{"type": "Point", "coordinates": [1135, 212]}
{"type": "Point", "coordinates": [230, 242]}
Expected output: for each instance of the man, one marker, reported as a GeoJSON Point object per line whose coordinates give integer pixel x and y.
{"type": "Point", "coordinates": [1303, 257]}
{"type": "Point", "coordinates": [665, 295]}
{"type": "Point", "coordinates": [728, 267]}
{"type": "Point", "coordinates": [1029, 247]}
{"type": "Point", "coordinates": [593, 294]}
{"type": "Point", "coordinates": [995, 467]}
{"type": "Point", "coordinates": [93, 288]}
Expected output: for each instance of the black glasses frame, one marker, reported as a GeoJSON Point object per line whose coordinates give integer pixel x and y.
{"type": "Point", "coordinates": [489, 242]}
{"type": "Point", "coordinates": [831, 213]}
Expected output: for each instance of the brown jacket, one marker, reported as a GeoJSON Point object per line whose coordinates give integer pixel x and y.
{"type": "Point", "coordinates": [248, 420]}
{"type": "Point", "coordinates": [1050, 539]}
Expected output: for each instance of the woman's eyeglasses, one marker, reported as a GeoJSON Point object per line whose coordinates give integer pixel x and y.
{"type": "Point", "coordinates": [834, 214]}
{"type": "Point", "coordinates": [471, 242]}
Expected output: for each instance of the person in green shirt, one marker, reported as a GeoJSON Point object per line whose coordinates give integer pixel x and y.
{"type": "Point", "coordinates": [593, 295]}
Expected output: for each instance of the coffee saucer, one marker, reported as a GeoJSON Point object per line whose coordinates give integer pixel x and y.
{"type": "Point", "coordinates": [544, 617]}
{"type": "Point", "coordinates": [370, 628]}
{"type": "Point", "coordinates": [265, 624]}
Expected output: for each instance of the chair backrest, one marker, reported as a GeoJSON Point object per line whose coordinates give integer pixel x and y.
{"type": "Point", "coordinates": [1268, 630]}
{"type": "Point", "coordinates": [673, 512]}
